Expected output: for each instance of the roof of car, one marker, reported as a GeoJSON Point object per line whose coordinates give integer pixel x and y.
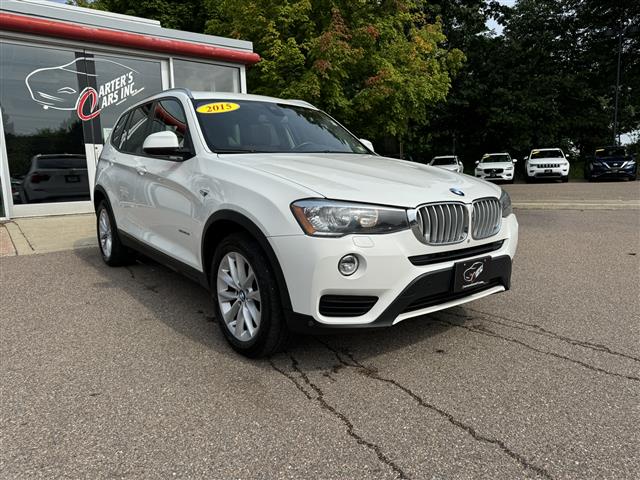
{"type": "Point", "coordinates": [444, 156]}
{"type": "Point", "coordinates": [546, 149]}
{"type": "Point", "coordinates": [241, 96]}
{"type": "Point", "coordinates": [501, 153]}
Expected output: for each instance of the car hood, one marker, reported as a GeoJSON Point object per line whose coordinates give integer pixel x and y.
{"type": "Point", "coordinates": [494, 165]}
{"type": "Point", "coordinates": [370, 178]}
{"type": "Point", "coordinates": [447, 167]}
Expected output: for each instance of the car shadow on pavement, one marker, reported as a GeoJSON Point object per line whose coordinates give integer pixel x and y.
{"type": "Point", "coordinates": [186, 307]}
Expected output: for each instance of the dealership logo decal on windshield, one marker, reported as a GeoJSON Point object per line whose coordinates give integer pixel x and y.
{"type": "Point", "coordinates": [89, 102]}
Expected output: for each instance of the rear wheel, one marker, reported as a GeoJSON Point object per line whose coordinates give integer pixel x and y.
{"type": "Point", "coordinates": [246, 298]}
{"type": "Point", "coordinates": [114, 253]}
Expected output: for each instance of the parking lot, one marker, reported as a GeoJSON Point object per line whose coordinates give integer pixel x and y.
{"type": "Point", "coordinates": [123, 373]}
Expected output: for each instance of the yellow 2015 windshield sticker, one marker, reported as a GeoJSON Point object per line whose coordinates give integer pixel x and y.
{"type": "Point", "coordinates": [218, 107]}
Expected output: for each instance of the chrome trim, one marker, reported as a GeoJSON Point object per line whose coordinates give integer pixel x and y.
{"type": "Point", "coordinates": [486, 218]}
{"type": "Point", "coordinates": [444, 223]}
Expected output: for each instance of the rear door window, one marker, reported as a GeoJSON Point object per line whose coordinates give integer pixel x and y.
{"type": "Point", "coordinates": [137, 129]}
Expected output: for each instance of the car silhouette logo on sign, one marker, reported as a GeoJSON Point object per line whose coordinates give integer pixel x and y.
{"type": "Point", "coordinates": [472, 273]}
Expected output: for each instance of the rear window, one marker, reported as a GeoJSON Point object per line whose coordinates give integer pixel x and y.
{"type": "Point", "coordinates": [443, 161]}
{"type": "Point", "coordinates": [52, 163]}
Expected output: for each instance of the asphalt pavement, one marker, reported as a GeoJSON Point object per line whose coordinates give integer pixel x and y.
{"type": "Point", "coordinates": [123, 373]}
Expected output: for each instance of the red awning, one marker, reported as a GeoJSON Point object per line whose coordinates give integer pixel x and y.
{"type": "Point", "coordinates": [69, 31]}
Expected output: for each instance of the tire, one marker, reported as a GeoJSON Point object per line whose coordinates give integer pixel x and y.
{"type": "Point", "coordinates": [263, 330]}
{"type": "Point", "coordinates": [113, 252]}
{"type": "Point", "coordinates": [565, 179]}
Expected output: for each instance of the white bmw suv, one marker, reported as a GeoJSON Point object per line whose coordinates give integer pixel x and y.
{"type": "Point", "coordinates": [290, 221]}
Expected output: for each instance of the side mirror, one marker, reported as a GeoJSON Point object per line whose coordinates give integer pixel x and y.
{"type": "Point", "coordinates": [367, 144]}
{"type": "Point", "coordinates": [477, 162]}
{"type": "Point", "coordinates": [162, 143]}
{"type": "Point", "coordinates": [515, 160]}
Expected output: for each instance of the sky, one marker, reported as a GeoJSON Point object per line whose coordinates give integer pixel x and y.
{"type": "Point", "coordinates": [492, 24]}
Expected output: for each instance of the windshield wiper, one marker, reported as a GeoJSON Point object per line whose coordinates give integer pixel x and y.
{"type": "Point", "coordinates": [235, 150]}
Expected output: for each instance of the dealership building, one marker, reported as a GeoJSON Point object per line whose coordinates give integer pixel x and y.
{"type": "Point", "coordinates": [67, 73]}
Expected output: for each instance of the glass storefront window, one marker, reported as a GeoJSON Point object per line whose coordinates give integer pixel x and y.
{"type": "Point", "coordinates": [43, 134]}
{"type": "Point", "coordinates": [120, 82]}
{"type": "Point", "coordinates": [205, 77]}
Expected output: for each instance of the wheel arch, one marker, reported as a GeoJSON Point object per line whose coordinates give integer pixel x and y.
{"type": "Point", "coordinates": [224, 222]}
{"type": "Point", "coordinates": [99, 194]}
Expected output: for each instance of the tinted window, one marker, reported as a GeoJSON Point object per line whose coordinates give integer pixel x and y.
{"type": "Point", "coordinates": [116, 134]}
{"type": "Point", "coordinates": [444, 161]}
{"type": "Point", "coordinates": [546, 154]}
{"type": "Point", "coordinates": [62, 162]}
{"type": "Point", "coordinates": [496, 158]}
{"type": "Point", "coordinates": [248, 126]}
{"type": "Point", "coordinates": [611, 152]}
{"type": "Point", "coordinates": [168, 115]}
{"type": "Point", "coordinates": [137, 129]}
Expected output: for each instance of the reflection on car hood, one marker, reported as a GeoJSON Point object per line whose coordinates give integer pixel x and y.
{"type": "Point", "coordinates": [370, 178]}
{"type": "Point", "coordinates": [547, 160]}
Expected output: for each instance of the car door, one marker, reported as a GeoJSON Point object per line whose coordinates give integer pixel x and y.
{"type": "Point", "coordinates": [127, 170]}
{"type": "Point", "coordinates": [169, 198]}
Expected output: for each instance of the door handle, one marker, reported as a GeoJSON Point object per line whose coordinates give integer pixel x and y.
{"type": "Point", "coordinates": [141, 170]}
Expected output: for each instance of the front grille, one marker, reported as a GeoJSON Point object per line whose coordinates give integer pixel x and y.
{"type": "Point", "coordinates": [443, 223]}
{"type": "Point", "coordinates": [486, 218]}
{"type": "Point", "coordinates": [493, 170]}
{"type": "Point", "coordinates": [548, 165]}
{"type": "Point", "coordinates": [439, 257]}
{"type": "Point", "coordinates": [346, 305]}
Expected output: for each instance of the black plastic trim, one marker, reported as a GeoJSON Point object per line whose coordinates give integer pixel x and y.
{"type": "Point", "coordinates": [160, 257]}
{"type": "Point", "coordinates": [436, 287]}
{"type": "Point", "coordinates": [254, 230]}
{"type": "Point", "coordinates": [346, 305]}
{"type": "Point", "coordinates": [439, 257]}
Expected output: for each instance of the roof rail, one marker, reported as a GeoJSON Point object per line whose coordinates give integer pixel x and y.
{"type": "Point", "coordinates": [180, 89]}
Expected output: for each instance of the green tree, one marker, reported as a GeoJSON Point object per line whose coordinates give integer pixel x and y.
{"type": "Point", "coordinates": [377, 66]}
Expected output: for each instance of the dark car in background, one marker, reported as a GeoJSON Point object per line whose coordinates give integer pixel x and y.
{"type": "Point", "coordinates": [53, 178]}
{"type": "Point", "coordinates": [611, 162]}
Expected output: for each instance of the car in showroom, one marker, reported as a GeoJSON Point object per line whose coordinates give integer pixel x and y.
{"type": "Point", "coordinates": [292, 222]}
{"type": "Point", "coordinates": [546, 163]}
{"type": "Point", "coordinates": [611, 163]}
{"type": "Point", "coordinates": [496, 167]}
{"type": "Point", "coordinates": [448, 162]}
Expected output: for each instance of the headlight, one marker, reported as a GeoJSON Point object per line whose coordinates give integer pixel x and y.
{"type": "Point", "coordinates": [509, 168]}
{"type": "Point", "coordinates": [332, 218]}
{"type": "Point", "coordinates": [505, 203]}
{"type": "Point", "coordinates": [628, 163]}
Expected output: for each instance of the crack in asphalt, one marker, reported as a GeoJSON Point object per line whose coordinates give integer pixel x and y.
{"type": "Point", "coordinates": [544, 332]}
{"type": "Point", "coordinates": [373, 373]}
{"type": "Point", "coordinates": [485, 331]}
{"type": "Point", "coordinates": [319, 397]}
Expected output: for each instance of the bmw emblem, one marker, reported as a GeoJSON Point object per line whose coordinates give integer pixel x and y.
{"type": "Point", "coordinates": [457, 191]}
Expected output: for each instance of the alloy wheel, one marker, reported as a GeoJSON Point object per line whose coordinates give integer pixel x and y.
{"type": "Point", "coordinates": [105, 235]}
{"type": "Point", "coordinates": [239, 296]}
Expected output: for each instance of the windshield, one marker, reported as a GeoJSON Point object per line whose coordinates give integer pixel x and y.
{"type": "Point", "coordinates": [496, 157]}
{"type": "Point", "coordinates": [245, 126]}
{"type": "Point", "coordinates": [546, 154]}
{"type": "Point", "coordinates": [444, 161]}
{"type": "Point", "coordinates": [611, 152]}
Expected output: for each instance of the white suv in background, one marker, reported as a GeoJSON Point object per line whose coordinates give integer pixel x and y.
{"type": "Point", "coordinates": [495, 166]}
{"type": "Point", "coordinates": [448, 162]}
{"type": "Point", "coordinates": [292, 222]}
{"type": "Point", "coordinates": [547, 163]}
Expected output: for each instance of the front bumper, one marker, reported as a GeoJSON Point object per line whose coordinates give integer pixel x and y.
{"type": "Point", "coordinates": [557, 172]}
{"type": "Point", "coordinates": [504, 176]}
{"type": "Point", "coordinates": [598, 171]}
{"type": "Point", "coordinates": [401, 288]}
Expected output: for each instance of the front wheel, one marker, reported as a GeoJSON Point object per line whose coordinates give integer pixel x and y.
{"type": "Point", "coordinates": [246, 298]}
{"type": "Point", "coordinates": [565, 179]}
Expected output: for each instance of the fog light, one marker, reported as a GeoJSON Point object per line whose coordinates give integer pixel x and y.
{"type": "Point", "coordinates": [348, 265]}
